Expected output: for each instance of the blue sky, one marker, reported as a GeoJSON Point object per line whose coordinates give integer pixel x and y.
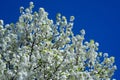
{"type": "Point", "coordinates": [100, 19]}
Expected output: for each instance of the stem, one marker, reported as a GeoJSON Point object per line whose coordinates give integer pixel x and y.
{"type": "Point", "coordinates": [77, 59]}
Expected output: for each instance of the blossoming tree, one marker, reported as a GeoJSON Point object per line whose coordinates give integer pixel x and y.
{"type": "Point", "coordinates": [36, 48]}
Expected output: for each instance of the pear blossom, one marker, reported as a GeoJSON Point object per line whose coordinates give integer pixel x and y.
{"type": "Point", "coordinates": [37, 48]}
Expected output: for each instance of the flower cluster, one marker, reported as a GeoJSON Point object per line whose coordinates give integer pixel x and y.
{"type": "Point", "coordinates": [35, 48]}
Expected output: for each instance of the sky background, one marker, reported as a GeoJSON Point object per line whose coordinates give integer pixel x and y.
{"type": "Point", "coordinates": [100, 19]}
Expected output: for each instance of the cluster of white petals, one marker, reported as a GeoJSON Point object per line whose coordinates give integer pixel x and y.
{"type": "Point", "coordinates": [36, 48]}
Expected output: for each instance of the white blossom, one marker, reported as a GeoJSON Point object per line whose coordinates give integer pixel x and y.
{"type": "Point", "coordinates": [36, 48]}
{"type": "Point", "coordinates": [1, 22]}
{"type": "Point", "coordinates": [72, 18]}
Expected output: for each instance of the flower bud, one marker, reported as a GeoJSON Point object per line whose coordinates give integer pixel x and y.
{"type": "Point", "coordinates": [1, 22]}
{"type": "Point", "coordinates": [82, 32]}
{"type": "Point", "coordinates": [72, 18]}
{"type": "Point", "coordinates": [105, 55]}
{"type": "Point", "coordinates": [112, 59]}
{"type": "Point", "coordinates": [21, 9]}
{"type": "Point", "coordinates": [31, 3]}
{"type": "Point", "coordinates": [97, 44]}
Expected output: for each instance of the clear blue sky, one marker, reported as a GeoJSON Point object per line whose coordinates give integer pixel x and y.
{"type": "Point", "coordinates": [100, 19]}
